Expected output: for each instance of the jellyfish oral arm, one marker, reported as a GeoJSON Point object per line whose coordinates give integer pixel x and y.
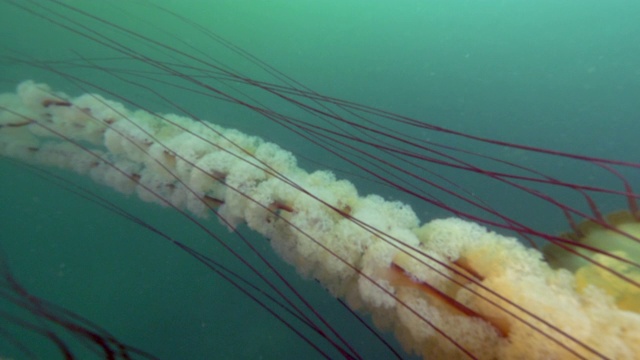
{"type": "Point", "coordinates": [445, 287]}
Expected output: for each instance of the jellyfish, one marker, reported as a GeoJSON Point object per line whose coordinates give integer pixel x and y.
{"type": "Point", "coordinates": [434, 284]}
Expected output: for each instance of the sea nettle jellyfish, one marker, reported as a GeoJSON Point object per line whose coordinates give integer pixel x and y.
{"type": "Point", "coordinates": [421, 238]}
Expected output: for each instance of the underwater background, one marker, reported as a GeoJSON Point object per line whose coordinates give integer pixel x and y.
{"type": "Point", "coordinates": [559, 75]}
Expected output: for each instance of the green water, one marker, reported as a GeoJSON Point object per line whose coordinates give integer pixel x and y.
{"type": "Point", "coordinates": [562, 75]}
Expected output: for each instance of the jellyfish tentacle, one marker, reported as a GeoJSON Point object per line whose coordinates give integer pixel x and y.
{"type": "Point", "coordinates": [446, 287]}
